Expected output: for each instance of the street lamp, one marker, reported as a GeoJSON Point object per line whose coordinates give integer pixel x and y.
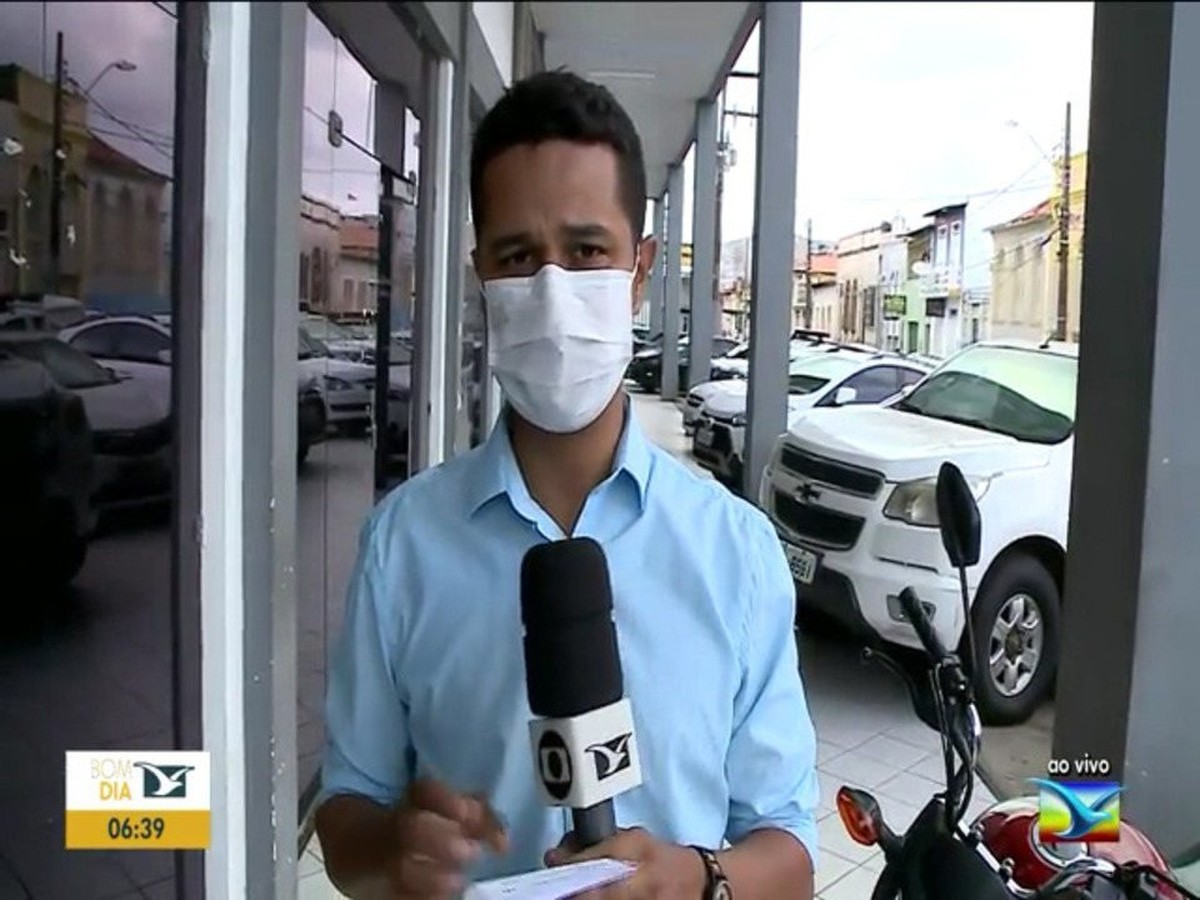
{"type": "Point", "coordinates": [121, 65]}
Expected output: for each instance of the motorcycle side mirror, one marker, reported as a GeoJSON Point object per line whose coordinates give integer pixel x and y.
{"type": "Point", "coordinates": [958, 517]}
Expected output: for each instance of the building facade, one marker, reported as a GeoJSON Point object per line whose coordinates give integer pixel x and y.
{"type": "Point", "coordinates": [27, 197]}
{"type": "Point", "coordinates": [825, 311]}
{"type": "Point", "coordinates": [942, 280]}
{"type": "Point", "coordinates": [858, 279]}
{"type": "Point", "coordinates": [1026, 264]}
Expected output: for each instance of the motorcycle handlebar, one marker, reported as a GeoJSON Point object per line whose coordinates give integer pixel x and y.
{"type": "Point", "coordinates": [915, 613]}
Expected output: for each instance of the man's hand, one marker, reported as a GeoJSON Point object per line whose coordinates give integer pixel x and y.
{"type": "Point", "coordinates": [664, 871]}
{"type": "Point", "coordinates": [437, 833]}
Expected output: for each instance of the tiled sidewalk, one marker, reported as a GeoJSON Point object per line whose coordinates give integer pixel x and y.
{"type": "Point", "coordinates": [867, 736]}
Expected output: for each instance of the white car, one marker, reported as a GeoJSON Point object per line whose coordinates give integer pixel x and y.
{"type": "Point", "coordinates": [736, 364]}
{"type": "Point", "coordinates": [852, 497]}
{"type": "Point", "coordinates": [130, 420]}
{"type": "Point", "coordinates": [140, 347]}
{"type": "Point", "coordinates": [341, 341]}
{"type": "Point", "coordinates": [840, 377]}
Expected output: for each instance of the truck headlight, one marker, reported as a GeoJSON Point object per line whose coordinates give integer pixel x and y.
{"type": "Point", "coordinates": [738, 420]}
{"type": "Point", "coordinates": [915, 502]}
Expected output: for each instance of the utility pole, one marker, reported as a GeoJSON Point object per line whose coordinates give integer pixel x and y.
{"type": "Point", "coordinates": [1064, 232]}
{"type": "Point", "coordinates": [722, 161]}
{"type": "Point", "coordinates": [56, 170]}
{"type": "Point", "coordinates": [808, 295]}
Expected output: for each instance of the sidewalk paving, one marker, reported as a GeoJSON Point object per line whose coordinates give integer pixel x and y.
{"type": "Point", "coordinates": [867, 734]}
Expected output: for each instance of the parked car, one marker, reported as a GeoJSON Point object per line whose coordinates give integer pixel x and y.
{"type": "Point", "coordinates": [130, 420]}
{"type": "Point", "coordinates": [819, 380]}
{"type": "Point", "coordinates": [47, 472]}
{"type": "Point", "coordinates": [139, 348]}
{"type": "Point", "coordinates": [736, 365]}
{"type": "Point", "coordinates": [341, 341]}
{"type": "Point", "coordinates": [644, 340]}
{"type": "Point", "coordinates": [39, 312]}
{"type": "Point", "coordinates": [312, 425]}
{"type": "Point", "coordinates": [646, 367]}
{"type": "Point", "coordinates": [851, 494]}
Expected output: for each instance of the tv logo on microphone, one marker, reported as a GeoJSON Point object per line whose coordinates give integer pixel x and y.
{"type": "Point", "coordinates": [611, 757]}
{"type": "Point", "coordinates": [579, 761]}
{"type": "Point", "coordinates": [554, 763]}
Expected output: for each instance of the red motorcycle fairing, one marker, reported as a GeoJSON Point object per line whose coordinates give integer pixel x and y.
{"type": "Point", "coordinates": [1010, 832]}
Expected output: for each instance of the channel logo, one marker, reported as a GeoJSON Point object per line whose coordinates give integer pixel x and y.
{"type": "Point", "coordinates": [1078, 811]}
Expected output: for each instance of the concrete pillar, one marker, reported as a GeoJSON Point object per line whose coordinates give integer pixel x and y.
{"type": "Point", "coordinates": [674, 285]}
{"type": "Point", "coordinates": [658, 277]}
{"type": "Point", "coordinates": [427, 437]}
{"type": "Point", "coordinates": [704, 245]}
{"type": "Point", "coordinates": [248, 443]}
{"type": "Point", "coordinates": [1131, 623]}
{"type": "Point", "coordinates": [459, 157]}
{"type": "Point", "coordinates": [774, 234]}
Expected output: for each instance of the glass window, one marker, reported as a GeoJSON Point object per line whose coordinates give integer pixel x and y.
{"type": "Point", "coordinates": [70, 368]}
{"type": "Point", "coordinates": [874, 385]}
{"type": "Point", "coordinates": [139, 343]}
{"type": "Point", "coordinates": [87, 657]}
{"type": "Point", "coordinates": [98, 341]}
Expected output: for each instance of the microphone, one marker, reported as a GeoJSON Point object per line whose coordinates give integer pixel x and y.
{"type": "Point", "coordinates": [583, 741]}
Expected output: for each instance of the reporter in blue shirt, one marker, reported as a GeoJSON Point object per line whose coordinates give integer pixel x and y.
{"type": "Point", "coordinates": [428, 776]}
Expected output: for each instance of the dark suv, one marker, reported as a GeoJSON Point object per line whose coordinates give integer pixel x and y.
{"type": "Point", "coordinates": [47, 475]}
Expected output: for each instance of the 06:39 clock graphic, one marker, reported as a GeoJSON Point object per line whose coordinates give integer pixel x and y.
{"type": "Point", "coordinates": [153, 800]}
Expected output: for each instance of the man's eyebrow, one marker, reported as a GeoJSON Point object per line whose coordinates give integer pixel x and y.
{"type": "Point", "coordinates": [510, 241]}
{"type": "Point", "coordinates": [586, 231]}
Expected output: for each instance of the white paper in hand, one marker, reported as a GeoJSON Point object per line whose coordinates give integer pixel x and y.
{"type": "Point", "coordinates": [552, 884]}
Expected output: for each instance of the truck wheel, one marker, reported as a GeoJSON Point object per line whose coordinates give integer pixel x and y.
{"type": "Point", "coordinates": [1016, 622]}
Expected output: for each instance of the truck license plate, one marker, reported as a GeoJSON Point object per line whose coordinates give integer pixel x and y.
{"type": "Point", "coordinates": [704, 435]}
{"type": "Point", "coordinates": [803, 563]}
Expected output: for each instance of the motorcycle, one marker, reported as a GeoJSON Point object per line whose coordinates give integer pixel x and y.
{"type": "Point", "coordinates": [999, 856]}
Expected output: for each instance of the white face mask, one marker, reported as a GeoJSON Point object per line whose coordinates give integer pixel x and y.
{"type": "Point", "coordinates": [559, 342]}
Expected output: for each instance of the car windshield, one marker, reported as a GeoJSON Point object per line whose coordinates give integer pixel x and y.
{"type": "Point", "coordinates": [67, 366]}
{"type": "Point", "coordinates": [1025, 394]}
{"type": "Point", "coordinates": [360, 331]}
{"type": "Point", "coordinates": [309, 346]}
{"type": "Point", "coordinates": [741, 351]}
{"type": "Point", "coordinates": [323, 330]}
{"type": "Point", "coordinates": [808, 375]}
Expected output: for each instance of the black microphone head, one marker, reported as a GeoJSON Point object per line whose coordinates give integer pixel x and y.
{"type": "Point", "coordinates": [571, 660]}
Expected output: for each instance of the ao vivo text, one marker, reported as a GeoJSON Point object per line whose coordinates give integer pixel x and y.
{"type": "Point", "coordinates": [1081, 766]}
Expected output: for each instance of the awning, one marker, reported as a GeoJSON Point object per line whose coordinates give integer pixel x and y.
{"type": "Point", "coordinates": [658, 59]}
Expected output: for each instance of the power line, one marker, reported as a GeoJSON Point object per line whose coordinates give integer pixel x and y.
{"type": "Point", "coordinates": [135, 131]}
{"type": "Point", "coordinates": [162, 7]}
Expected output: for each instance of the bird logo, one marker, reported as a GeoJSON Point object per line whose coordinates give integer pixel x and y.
{"type": "Point", "coordinates": [164, 781]}
{"type": "Point", "coordinates": [611, 756]}
{"type": "Point", "coordinates": [1090, 810]}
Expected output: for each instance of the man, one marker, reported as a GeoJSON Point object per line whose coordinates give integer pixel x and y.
{"type": "Point", "coordinates": [428, 776]}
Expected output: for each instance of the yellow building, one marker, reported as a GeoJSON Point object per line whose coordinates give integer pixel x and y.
{"type": "Point", "coordinates": [26, 124]}
{"type": "Point", "coordinates": [1025, 264]}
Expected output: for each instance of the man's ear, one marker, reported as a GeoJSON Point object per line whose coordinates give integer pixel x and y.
{"type": "Point", "coordinates": [647, 253]}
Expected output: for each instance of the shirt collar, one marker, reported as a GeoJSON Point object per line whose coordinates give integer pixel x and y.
{"type": "Point", "coordinates": [497, 473]}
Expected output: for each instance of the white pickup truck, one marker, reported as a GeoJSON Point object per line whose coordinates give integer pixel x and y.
{"type": "Point", "coordinates": [851, 494]}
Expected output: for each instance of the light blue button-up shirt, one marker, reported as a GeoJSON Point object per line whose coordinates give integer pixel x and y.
{"type": "Point", "coordinates": [428, 678]}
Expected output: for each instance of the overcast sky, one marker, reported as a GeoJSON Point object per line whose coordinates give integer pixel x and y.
{"type": "Point", "coordinates": [138, 106]}
{"type": "Point", "coordinates": [903, 106]}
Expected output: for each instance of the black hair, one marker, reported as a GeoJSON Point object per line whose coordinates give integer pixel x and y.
{"type": "Point", "coordinates": [560, 105]}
